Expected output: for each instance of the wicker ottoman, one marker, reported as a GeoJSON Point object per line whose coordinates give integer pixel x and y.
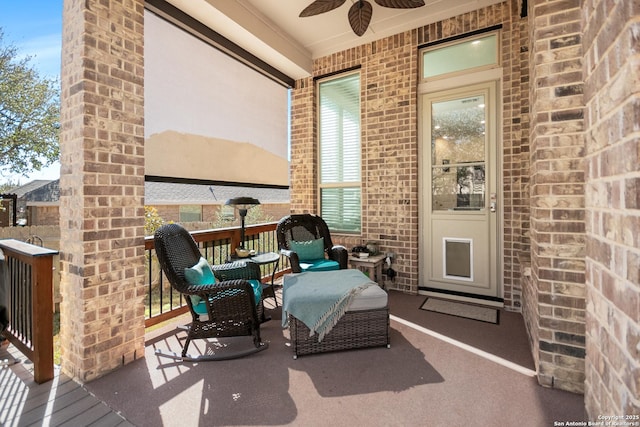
{"type": "Point", "coordinates": [365, 324]}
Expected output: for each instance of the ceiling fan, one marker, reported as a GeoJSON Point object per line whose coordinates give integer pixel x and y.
{"type": "Point", "coordinates": [360, 12]}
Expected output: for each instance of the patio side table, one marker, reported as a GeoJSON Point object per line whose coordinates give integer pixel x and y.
{"type": "Point", "coordinates": [371, 266]}
{"type": "Point", "coordinates": [265, 259]}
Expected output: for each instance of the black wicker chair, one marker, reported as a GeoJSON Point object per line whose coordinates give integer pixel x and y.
{"type": "Point", "coordinates": [231, 308]}
{"type": "Point", "coordinates": [307, 227]}
{"type": "Point", "coordinates": [246, 270]}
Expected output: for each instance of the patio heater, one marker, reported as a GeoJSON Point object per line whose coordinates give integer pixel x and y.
{"type": "Point", "coordinates": [242, 204]}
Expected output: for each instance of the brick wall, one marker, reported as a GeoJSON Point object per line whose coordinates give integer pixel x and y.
{"type": "Point", "coordinates": [102, 186]}
{"type": "Point", "coordinates": [612, 96]}
{"type": "Point", "coordinates": [389, 80]}
{"type": "Point", "coordinates": [388, 83]}
{"type": "Point", "coordinates": [515, 153]}
{"type": "Point", "coordinates": [275, 211]}
{"type": "Point", "coordinates": [304, 153]}
{"type": "Point", "coordinates": [555, 306]}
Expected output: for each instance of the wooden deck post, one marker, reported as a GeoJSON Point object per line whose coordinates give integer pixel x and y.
{"type": "Point", "coordinates": [42, 308]}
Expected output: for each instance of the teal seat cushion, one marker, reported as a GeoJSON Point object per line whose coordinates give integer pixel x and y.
{"type": "Point", "coordinates": [308, 251]}
{"type": "Point", "coordinates": [257, 289]}
{"type": "Point", "coordinates": [199, 274]}
{"type": "Point", "coordinates": [201, 307]}
{"type": "Point", "coordinates": [320, 265]}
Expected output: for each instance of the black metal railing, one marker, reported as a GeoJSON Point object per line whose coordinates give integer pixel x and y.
{"type": "Point", "coordinates": [29, 283]}
{"type": "Point", "coordinates": [217, 246]}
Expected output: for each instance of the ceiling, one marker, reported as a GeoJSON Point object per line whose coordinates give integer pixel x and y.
{"type": "Point", "coordinates": [272, 30]}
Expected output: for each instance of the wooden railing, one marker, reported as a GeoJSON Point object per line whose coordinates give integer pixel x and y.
{"type": "Point", "coordinates": [30, 292]}
{"type": "Point", "coordinates": [30, 287]}
{"type": "Point", "coordinates": [217, 246]}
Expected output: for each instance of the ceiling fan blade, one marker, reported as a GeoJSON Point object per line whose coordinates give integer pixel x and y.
{"type": "Point", "coordinates": [401, 4]}
{"type": "Point", "coordinates": [359, 16]}
{"type": "Point", "coordinates": [321, 6]}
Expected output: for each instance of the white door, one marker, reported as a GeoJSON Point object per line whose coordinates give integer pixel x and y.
{"type": "Point", "coordinates": [460, 192]}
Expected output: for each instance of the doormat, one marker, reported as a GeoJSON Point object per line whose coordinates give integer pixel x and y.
{"type": "Point", "coordinates": [461, 309]}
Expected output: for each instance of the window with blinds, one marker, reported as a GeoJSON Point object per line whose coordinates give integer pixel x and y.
{"type": "Point", "coordinates": [339, 134]}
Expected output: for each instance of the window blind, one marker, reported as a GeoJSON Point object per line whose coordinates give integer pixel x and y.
{"type": "Point", "coordinates": [339, 127]}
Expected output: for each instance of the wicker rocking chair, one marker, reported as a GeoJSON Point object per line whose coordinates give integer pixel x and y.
{"type": "Point", "coordinates": [297, 232]}
{"type": "Point", "coordinates": [224, 309]}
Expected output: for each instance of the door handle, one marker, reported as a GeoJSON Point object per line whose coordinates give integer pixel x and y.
{"type": "Point", "coordinates": [492, 206]}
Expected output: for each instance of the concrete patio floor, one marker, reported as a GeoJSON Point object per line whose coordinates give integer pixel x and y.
{"type": "Point", "coordinates": [441, 370]}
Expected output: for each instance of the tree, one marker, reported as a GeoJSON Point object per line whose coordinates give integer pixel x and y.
{"type": "Point", "coordinates": [8, 185]}
{"type": "Point", "coordinates": [29, 115]}
{"type": "Point", "coordinates": [152, 220]}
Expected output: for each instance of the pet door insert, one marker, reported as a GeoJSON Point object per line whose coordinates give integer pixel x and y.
{"type": "Point", "coordinates": [458, 258]}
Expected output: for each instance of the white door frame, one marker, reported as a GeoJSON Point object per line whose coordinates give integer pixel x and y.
{"type": "Point", "coordinates": [490, 75]}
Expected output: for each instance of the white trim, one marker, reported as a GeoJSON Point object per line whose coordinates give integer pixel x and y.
{"type": "Point", "coordinates": [474, 350]}
{"type": "Point", "coordinates": [343, 184]}
{"type": "Point", "coordinates": [458, 81]}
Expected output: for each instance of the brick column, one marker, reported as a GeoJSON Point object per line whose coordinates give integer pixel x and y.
{"type": "Point", "coordinates": [102, 186]}
{"type": "Point", "coordinates": [612, 96]}
{"type": "Point", "coordinates": [554, 308]}
{"type": "Point", "coordinates": [515, 150]}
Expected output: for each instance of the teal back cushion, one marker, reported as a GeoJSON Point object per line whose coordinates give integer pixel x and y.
{"type": "Point", "coordinates": [199, 274]}
{"type": "Point", "coordinates": [310, 250]}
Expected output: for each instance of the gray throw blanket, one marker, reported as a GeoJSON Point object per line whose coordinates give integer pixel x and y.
{"type": "Point", "coordinates": [319, 299]}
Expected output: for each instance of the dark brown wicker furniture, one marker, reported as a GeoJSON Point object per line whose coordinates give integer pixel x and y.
{"type": "Point", "coordinates": [265, 258]}
{"type": "Point", "coordinates": [356, 329]}
{"type": "Point", "coordinates": [230, 304]}
{"type": "Point", "coordinates": [303, 227]}
{"type": "Point", "coordinates": [361, 327]}
{"type": "Point", "coordinates": [247, 270]}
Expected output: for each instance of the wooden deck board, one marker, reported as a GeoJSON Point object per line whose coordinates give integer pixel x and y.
{"type": "Point", "coordinates": [60, 402]}
{"type": "Point", "coordinates": [56, 409]}
{"type": "Point", "coordinates": [41, 399]}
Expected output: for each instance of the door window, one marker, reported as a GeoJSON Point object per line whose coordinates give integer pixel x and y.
{"type": "Point", "coordinates": [458, 150]}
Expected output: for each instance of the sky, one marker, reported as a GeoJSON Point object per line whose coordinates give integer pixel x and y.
{"type": "Point", "coordinates": [34, 27]}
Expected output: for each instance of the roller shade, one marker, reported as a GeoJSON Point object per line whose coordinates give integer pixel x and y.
{"type": "Point", "coordinates": [207, 115]}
